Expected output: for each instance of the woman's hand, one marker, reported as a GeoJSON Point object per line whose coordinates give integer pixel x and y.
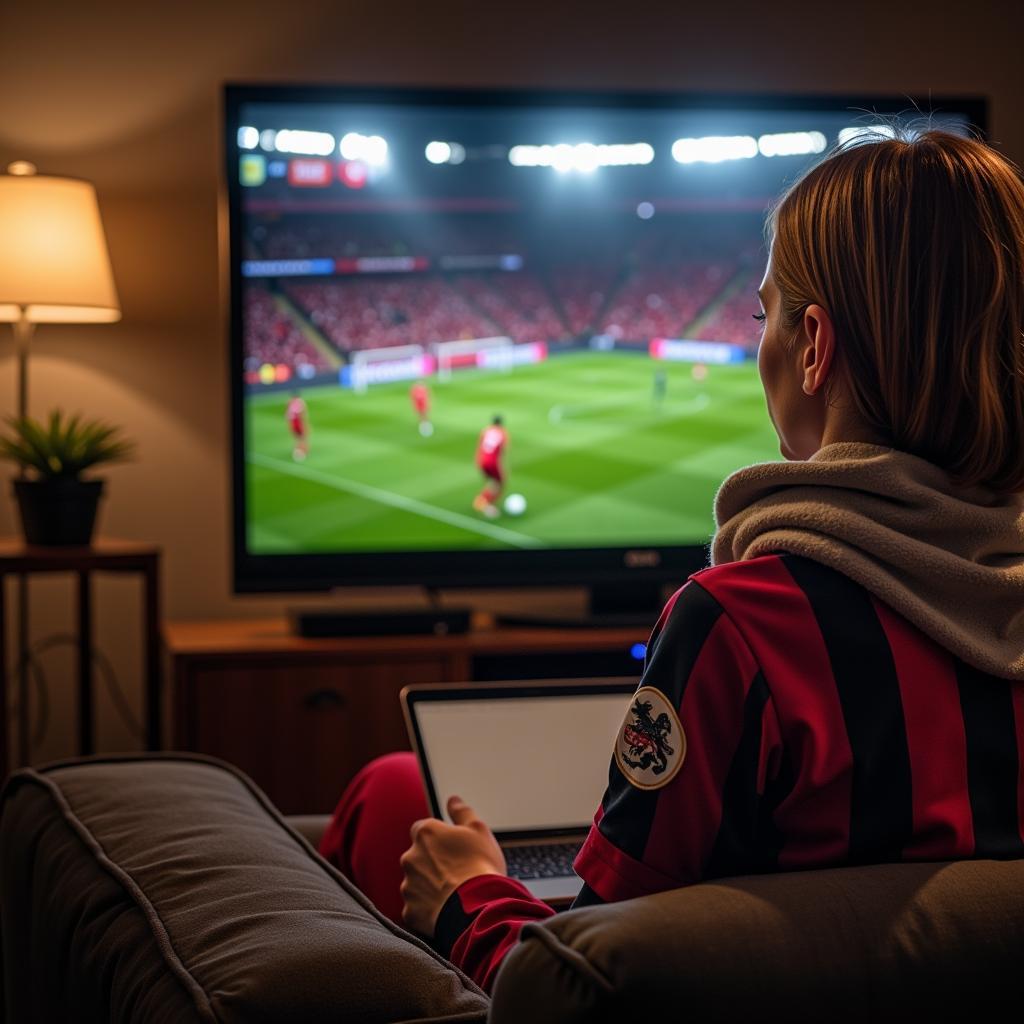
{"type": "Point", "coordinates": [441, 858]}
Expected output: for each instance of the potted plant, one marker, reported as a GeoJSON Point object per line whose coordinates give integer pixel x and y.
{"type": "Point", "coordinates": [57, 506]}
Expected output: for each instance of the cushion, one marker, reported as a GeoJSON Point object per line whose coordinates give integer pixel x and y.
{"type": "Point", "coordinates": [934, 941]}
{"type": "Point", "coordinates": [169, 889]}
{"type": "Point", "coordinates": [310, 826]}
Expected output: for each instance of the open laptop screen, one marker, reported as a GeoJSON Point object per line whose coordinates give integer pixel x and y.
{"type": "Point", "coordinates": [524, 763]}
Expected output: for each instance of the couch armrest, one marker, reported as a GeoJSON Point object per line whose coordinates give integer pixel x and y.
{"type": "Point", "coordinates": [310, 826]}
{"type": "Point", "coordinates": [866, 944]}
{"type": "Point", "coordinates": [167, 888]}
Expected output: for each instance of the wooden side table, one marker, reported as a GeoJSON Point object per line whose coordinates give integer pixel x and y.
{"type": "Point", "coordinates": [114, 556]}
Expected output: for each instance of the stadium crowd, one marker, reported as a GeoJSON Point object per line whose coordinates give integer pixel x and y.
{"type": "Point", "coordinates": [272, 336]}
{"type": "Point", "coordinates": [659, 301]}
{"type": "Point", "coordinates": [382, 312]}
{"type": "Point", "coordinates": [731, 320]}
{"type": "Point", "coordinates": [517, 303]}
{"type": "Point", "coordinates": [659, 286]}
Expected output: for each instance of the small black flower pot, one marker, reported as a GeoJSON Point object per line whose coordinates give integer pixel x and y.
{"type": "Point", "coordinates": [58, 512]}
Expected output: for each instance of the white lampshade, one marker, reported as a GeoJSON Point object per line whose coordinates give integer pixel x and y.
{"type": "Point", "coordinates": [53, 253]}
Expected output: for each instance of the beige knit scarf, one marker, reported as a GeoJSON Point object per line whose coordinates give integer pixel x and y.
{"type": "Point", "coordinates": [949, 559]}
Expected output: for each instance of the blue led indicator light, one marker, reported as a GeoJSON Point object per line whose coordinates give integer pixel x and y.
{"type": "Point", "coordinates": [638, 651]}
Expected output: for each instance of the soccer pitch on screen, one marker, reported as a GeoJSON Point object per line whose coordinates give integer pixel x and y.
{"type": "Point", "coordinates": [601, 459]}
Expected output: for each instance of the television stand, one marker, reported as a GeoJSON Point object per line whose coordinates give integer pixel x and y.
{"type": "Point", "coordinates": [328, 622]}
{"type": "Point", "coordinates": [610, 606]}
{"type": "Point", "coordinates": [583, 620]}
{"type": "Point", "coordinates": [302, 716]}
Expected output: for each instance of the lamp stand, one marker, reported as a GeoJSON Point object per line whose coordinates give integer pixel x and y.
{"type": "Point", "coordinates": [23, 331]}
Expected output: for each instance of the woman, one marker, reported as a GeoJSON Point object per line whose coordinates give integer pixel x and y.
{"type": "Point", "coordinates": [845, 683]}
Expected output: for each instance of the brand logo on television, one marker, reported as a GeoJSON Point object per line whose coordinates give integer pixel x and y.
{"type": "Point", "coordinates": [641, 559]}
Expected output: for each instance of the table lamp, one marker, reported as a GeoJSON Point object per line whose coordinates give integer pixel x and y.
{"type": "Point", "coordinates": [54, 266]}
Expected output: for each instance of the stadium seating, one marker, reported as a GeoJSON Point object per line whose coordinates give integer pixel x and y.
{"type": "Point", "coordinates": [272, 336]}
{"type": "Point", "coordinates": [309, 237]}
{"type": "Point", "coordinates": [583, 290]}
{"type": "Point", "coordinates": [656, 284]}
{"type": "Point", "coordinates": [302, 238]}
{"type": "Point", "coordinates": [732, 321]}
{"type": "Point", "coordinates": [659, 301]}
{"type": "Point", "coordinates": [382, 312]}
{"type": "Point", "coordinates": [517, 302]}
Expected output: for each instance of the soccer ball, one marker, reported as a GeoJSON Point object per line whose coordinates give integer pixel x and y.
{"type": "Point", "coordinates": [426, 429]}
{"type": "Point", "coordinates": [515, 504]}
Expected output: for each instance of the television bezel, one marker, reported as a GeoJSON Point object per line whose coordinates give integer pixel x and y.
{"type": "Point", "coordinates": [594, 566]}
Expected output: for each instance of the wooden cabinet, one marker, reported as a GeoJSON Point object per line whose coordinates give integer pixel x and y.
{"type": "Point", "coordinates": [302, 716]}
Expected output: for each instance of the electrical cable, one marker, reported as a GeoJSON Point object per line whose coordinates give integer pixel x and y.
{"type": "Point", "coordinates": [42, 696]}
{"type": "Point", "coordinates": [107, 673]}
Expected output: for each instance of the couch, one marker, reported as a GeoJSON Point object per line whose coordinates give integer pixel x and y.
{"type": "Point", "coordinates": [167, 888]}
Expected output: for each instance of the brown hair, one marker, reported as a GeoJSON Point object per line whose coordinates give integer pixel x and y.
{"type": "Point", "coordinates": [915, 246]}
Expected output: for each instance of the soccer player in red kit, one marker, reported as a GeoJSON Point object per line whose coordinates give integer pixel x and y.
{"type": "Point", "coordinates": [489, 451]}
{"type": "Point", "coordinates": [295, 414]}
{"type": "Point", "coordinates": [421, 403]}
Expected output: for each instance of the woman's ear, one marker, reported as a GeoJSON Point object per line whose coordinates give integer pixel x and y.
{"type": "Point", "coordinates": [818, 348]}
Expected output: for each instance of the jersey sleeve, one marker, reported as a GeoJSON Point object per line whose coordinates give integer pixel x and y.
{"type": "Point", "coordinates": [480, 922]}
{"type": "Point", "coordinates": [692, 758]}
{"type": "Point", "coordinates": [722, 748]}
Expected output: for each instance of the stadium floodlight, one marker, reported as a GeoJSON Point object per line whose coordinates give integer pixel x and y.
{"type": "Point", "coordinates": [376, 151]}
{"type": "Point", "coordinates": [791, 144]}
{"type": "Point", "coordinates": [304, 143]}
{"type": "Point", "coordinates": [714, 149]}
{"type": "Point", "coordinates": [563, 157]}
{"type": "Point", "coordinates": [632, 154]}
{"type": "Point", "coordinates": [371, 149]}
{"type": "Point", "coordinates": [438, 152]}
{"type": "Point", "coordinates": [351, 146]}
{"type": "Point", "coordinates": [524, 156]}
{"type": "Point", "coordinates": [584, 157]}
{"type": "Point", "coordinates": [865, 133]}
{"type": "Point", "coordinates": [248, 137]}
{"type": "Point", "coordinates": [445, 152]}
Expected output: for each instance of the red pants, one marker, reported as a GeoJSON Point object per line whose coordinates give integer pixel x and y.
{"type": "Point", "coordinates": [369, 830]}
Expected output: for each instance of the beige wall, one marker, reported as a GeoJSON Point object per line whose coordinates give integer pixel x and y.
{"type": "Point", "coordinates": [128, 94]}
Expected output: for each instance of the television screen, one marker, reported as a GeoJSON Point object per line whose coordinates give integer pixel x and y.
{"type": "Point", "coordinates": [469, 324]}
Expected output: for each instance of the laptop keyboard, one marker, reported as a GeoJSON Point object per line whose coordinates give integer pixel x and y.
{"type": "Point", "coordinates": [552, 860]}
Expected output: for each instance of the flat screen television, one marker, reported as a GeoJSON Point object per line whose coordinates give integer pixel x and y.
{"type": "Point", "coordinates": [410, 267]}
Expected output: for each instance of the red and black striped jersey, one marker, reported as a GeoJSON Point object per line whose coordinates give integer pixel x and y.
{"type": "Point", "coordinates": [786, 719]}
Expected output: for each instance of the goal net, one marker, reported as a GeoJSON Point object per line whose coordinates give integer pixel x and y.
{"type": "Point", "coordinates": [486, 353]}
{"type": "Point", "coordinates": [380, 365]}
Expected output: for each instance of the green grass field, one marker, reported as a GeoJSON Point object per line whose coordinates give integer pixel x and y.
{"type": "Point", "coordinates": [599, 463]}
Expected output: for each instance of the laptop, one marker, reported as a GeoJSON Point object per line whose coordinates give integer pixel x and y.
{"type": "Point", "coordinates": [530, 758]}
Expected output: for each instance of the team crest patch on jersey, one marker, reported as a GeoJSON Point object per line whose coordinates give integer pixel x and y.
{"type": "Point", "coordinates": [650, 747]}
